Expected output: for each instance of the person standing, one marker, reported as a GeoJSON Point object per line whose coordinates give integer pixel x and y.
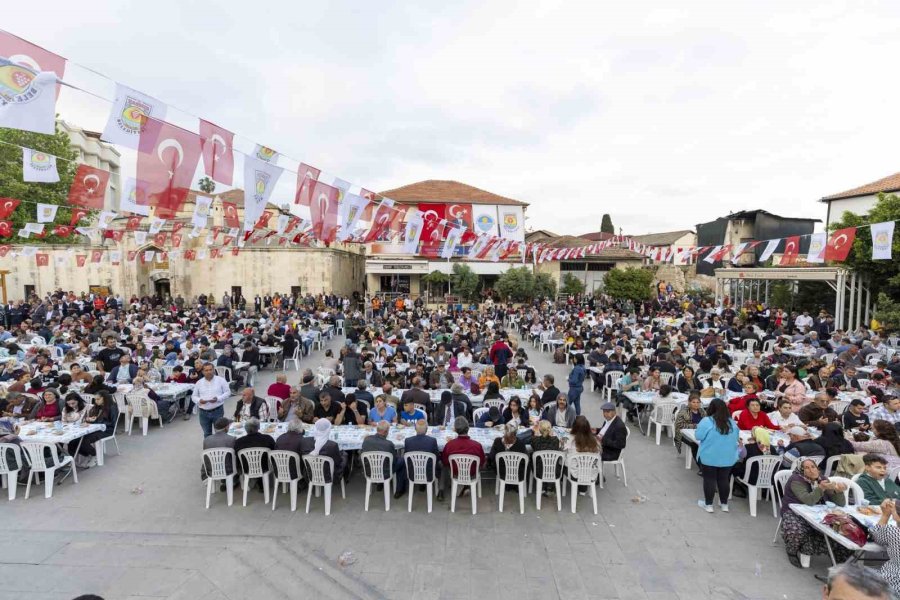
{"type": "Point", "coordinates": [717, 434]}
{"type": "Point", "coordinates": [576, 383]}
{"type": "Point", "coordinates": [210, 394]}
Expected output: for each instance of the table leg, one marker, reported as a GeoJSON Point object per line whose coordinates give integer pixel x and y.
{"type": "Point", "coordinates": [688, 456]}
{"type": "Point", "coordinates": [830, 551]}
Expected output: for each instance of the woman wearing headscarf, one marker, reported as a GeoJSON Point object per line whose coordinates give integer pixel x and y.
{"type": "Point", "coordinates": [833, 441]}
{"type": "Point", "coordinates": [322, 445]}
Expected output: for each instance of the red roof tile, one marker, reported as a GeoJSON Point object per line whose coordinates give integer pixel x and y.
{"type": "Point", "coordinates": [434, 190]}
{"type": "Point", "coordinates": [891, 183]}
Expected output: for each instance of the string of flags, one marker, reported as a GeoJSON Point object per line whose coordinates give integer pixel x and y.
{"type": "Point", "coordinates": [168, 157]}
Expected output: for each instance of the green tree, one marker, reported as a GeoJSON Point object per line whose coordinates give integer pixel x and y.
{"type": "Point", "coordinates": [464, 282]}
{"type": "Point", "coordinates": [12, 185]}
{"type": "Point", "coordinates": [544, 286]}
{"type": "Point", "coordinates": [883, 275]}
{"type": "Point", "coordinates": [782, 295]}
{"type": "Point", "coordinates": [887, 312]}
{"type": "Point", "coordinates": [517, 284]}
{"type": "Point", "coordinates": [629, 284]}
{"type": "Point", "coordinates": [206, 185]}
{"type": "Point", "coordinates": [571, 285]}
{"type": "Point", "coordinates": [436, 279]}
{"type": "Point", "coordinates": [606, 225]}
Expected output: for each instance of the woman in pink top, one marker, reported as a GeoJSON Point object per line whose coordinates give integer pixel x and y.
{"type": "Point", "coordinates": [791, 388]}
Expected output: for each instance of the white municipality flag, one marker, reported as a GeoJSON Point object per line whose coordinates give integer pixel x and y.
{"type": "Point", "coordinates": [38, 167]}
{"type": "Point", "coordinates": [156, 225]}
{"type": "Point", "coordinates": [265, 154]}
{"type": "Point", "coordinates": [882, 240]}
{"type": "Point", "coordinates": [128, 201]}
{"type": "Point", "coordinates": [451, 241]}
{"type": "Point", "coordinates": [201, 211]}
{"type": "Point", "coordinates": [260, 178]}
{"type": "Point", "coordinates": [105, 219]}
{"type": "Point", "coordinates": [140, 238]}
{"type": "Point", "coordinates": [46, 213]}
{"type": "Point", "coordinates": [769, 250]}
{"type": "Point", "coordinates": [512, 223]}
{"type": "Point", "coordinates": [413, 231]}
{"type": "Point", "coordinates": [817, 243]}
{"type": "Point", "coordinates": [484, 219]}
{"type": "Point", "coordinates": [27, 98]}
{"type": "Point", "coordinates": [128, 116]}
{"type": "Point", "coordinates": [349, 212]}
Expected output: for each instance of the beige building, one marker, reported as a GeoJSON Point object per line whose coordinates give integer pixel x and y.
{"type": "Point", "coordinates": [674, 241]}
{"type": "Point", "coordinates": [859, 200]}
{"type": "Point", "coordinates": [591, 269]}
{"type": "Point", "coordinates": [94, 153]}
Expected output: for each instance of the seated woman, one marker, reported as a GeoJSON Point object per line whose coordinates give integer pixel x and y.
{"type": "Point", "coordinates": [808, 487]}
{"type": "Point", "coordinates": [888, 536]}
{"type": "Point", "coordinates": [833, 440]}
{"type": "Point", "coordinates": [753, 416]}
{"type": "Point", "coordinates": [48, 409]}
{"type": "Point", "coordinates": [322, 445]}
{"type": "Point", "coordinates": [535, 410]}
{"type": "Point", "coordinates": [514, 413]}
{"type": "Point", "coordinates": [382, 411]}
{"type": "Point", "coordinates": [73, 409]}
{"type": "Point", "coordinates": [98, 385]}
{"type": "Point", "coordinates": [543, 438]}
{"type": "Point", "coordinates": [492, 392]}
{"type": "Point", "coordinates": [488, 376]}
{"type": "Point", "coordinates": [509, 442]}
{"type": "Point", "coordinates": [886, 443]}
{"type": "Point", "coordinates": [736, 383]}
{"type": "Point", "coordinates": [178, 375]}
{"type": "Point", "coordinates": [467, 379]}
{"type": "Point", "coordinates": [581, 439]}
{"type": "Point", "coordinates": [688, 418]}
{"type": "Point", "coordinates": [166, 407]}
{"type": "Point", "coordinates": [687, 382]}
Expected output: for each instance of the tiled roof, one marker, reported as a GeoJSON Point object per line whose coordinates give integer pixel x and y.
{"type": "Point", "coordinates": [434, 190]}
{"type": "Point", "coordinates": [666, 238]}
{"type": "Point", "coordinates": [596, 236]}
{"type": "Point", "coordinates": [891, 183]}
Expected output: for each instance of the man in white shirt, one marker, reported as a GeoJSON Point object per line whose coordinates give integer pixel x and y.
{"type": "Point", "coordinates": [804, 322]}
{"type": "Point", "coordinates": [210, 394]}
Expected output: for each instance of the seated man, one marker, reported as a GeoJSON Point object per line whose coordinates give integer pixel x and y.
{"type": "Point", "coordinates": [462, 444]}
{"type": "Point", "coordinates": [251, 406]}
{"type": "Point", "coordinates": [817, 413]}
{"type": "Point", "coordinates": [379, 443]}
{"type": "Point", "coordinates": [410, 414]}
{"type": "Point", "coordinates": [299, 406]}
{"type": "Point", "coordinates": [876, 485]}
{"type": "Point", "coordinates": [422, 442]}
{"type": "Point", "coordinates": [490, 418]}
{"type": "Point", "coordinates": [363, 393]}
{"type": "Point", "coordinates": [292, 441]}
{"type": "Point", "coordinates": [254, 439]}
{"type": "Point", "coordinates": [612, 434]}
{"type": "Point", "coordinates": [279, 389]}
{"type": "Point", "coordinates": [125, 372]}
{"type": "Point", "coordinates": [219, 439]}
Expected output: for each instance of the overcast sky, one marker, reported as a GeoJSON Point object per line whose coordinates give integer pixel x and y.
{"type": "Point", "coordinates": [663, 114]}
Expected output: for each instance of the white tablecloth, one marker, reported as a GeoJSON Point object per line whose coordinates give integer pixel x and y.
{"type": "Point", "coordinates": [46, 432]}
{"type": "Point", "coordinates": [814, 515]}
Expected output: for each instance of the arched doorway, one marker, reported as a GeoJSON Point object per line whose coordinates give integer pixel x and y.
{"type": "Point", "coordinates": [162, 287]}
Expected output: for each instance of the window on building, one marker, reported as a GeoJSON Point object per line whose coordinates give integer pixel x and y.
{"type": "Point", "coordinates": [395, 283]}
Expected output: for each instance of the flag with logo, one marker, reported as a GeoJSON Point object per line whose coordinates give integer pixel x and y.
{"type": "Point", "coordinates": [167, 160]}
{"type": "Point", "coordinates": [882, 240]}
{"type": "Point", "coordinates": [38, 167]}
{"type": "Point", "coordinates": [512, 222]}
{"type": "Point", "coordinates": [459, 215]}
{"type": "Point", "coordinates": [433, 220]}
{"type": "Point", "coordinates": [260, 178]}
{"type": "Point", "coordinates": [412, 231]}
{"type": "Point", "coordinates": [218, 152]}
{"type": "Point", "coordinates": [381, 221]}
{"type": "Point", "coordinates": [201, 211]}
{"type": "Point", "coordinates": [96, 256]}
{"type": "Point", "coordinates": [27, 97]}
{"type": "Point", "coordinates": [156, 225]}
{"type": "Point", "coordinates": [88, 188]}
{"type": "Point", "coordinates": [231, 214]}
{"type": "Point", "coordinates": [131, 113]}
{"type": "Point", "coordinates": [25, 53]}
{"type": "Point", "coordinates": [451, 241]}
{"type": "Point", "coordinates": [839, 244]}
{"type": "Point", "coordinates": [351, 211]}
{"type": "Point", "coordinates": [46, 213]}
{"type": "Point", "coordinates": [265, 154]}
{"type": "Point", "coordinates": [816, 253]}
{"type": "Point", "coordinates": [307, 176]}
{"type": "Point", "coordinates": [484, 219]}
{"type": "Point", "coordinates": [133, 198]}
{"type": "Point", "coordinates": [769, 250]}
{"type": "Point", "coordinates": [711, 257]}
{"type": "Point", "coordinates": [791, 251]}
{"type": "Point", "coordinates": [323, 210]}
{"type": "Point", "coordinates": [105, 219]}
{"type": "Point", "coordinates": [115, 256]}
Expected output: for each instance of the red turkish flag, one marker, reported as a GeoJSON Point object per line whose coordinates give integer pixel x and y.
{"type": "Point", "coordinates": [189, 255]}
{"type": "Point", "coordinates": [77, 215]}
{"type": "Point", "coordinates": [80, 259]}
{"type": "Point", "coordinates": [5, 228]}
{"type": "Point", "coordinates": [292, 223]}
{"type": "Point", "coordinates": [214, 253]}
{"type": "Point", "coordinates": [399, 215]}
{"type": "Point", "coordinates": [166, 162]}
{"type": "Point", "coordinates": [372, 197]}
{"type": "Point", "coordinates": [96, 256]}
{"type": "Point", "coordinates": [324, 211]}
{"type": "Point", "coordinates": [307, 176]}
{"type": "Point", "coordinates": [176, 227]}
{"type": "Point", "coordinates": [791, 250]}
{"type": "Point", "coordinates": [163, 256]}
{"type": "Point", "coordinates": [215, 232]}
{"type": "Point", "coordinates": [42, 259]}
{"type": "Point", "coordinates": [839, 244]}
{"type": "Point", "coordinates": [231, 214]}
{"type": "Point", "coordinates": [132, 254]}
{"type": "Point", "coordinates": [63, 231]}
{"type": "Point", "coordinates": [432, 227]}
{"type": "Point", "coordinates": [114, 234]}
{"type": "Point", "coordinates": [7, 206]}
{"type": "Point", "coordinates": [263, 221]}
{"type": "Point", "coordinates": [468, 237]}
{"type": "Point", "coordinates": [235, 250]}
{"type": "Point", "coordinates": [27, 54]}
{"type": "Point", "coordinates": [460, 215]}
{"type": "Point", "coordinates": [4, 250]}
{"type": "Point", "coordinates": [133, 223]}
{"type": "Point", "coordinates": [160, 238]}
{"type": "Point", "coordinates": [176, 240]}
{"type": "Point", "coordinates": [381, 222]}
{"type": "Point", "coordinates": [218, 152]}
{"type": "Point", "coordinates": [282, 241]}
{"type": "Point", "coordinates": [227, 240]}
{"type": "Point", "coordinates": [89, 187]}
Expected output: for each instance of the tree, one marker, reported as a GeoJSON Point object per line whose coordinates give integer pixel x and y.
{"type": "Point", "coordinates": [571, 285]}
{"type": "Point", "coordinates": [606, 225]}
{"type": "Point", "coordinates": [12, 185]}
{"type": "Point", "coordinates": [883, 275]}
{"type": "Point", "coordinates": [782, 295]}
{"type": "Point", "coordinates": [517, 284]}
{"type": "Point", "coordinates": [629, 284]}
{"type": "Point", "coordinates": [464, 282]}
{"type": "Point", "coordinates": [544, 286]}
{"type": "Point", "coordinates": [435, 278]}
{"type": "Point", "coordinates": [888, 313]}
{"type": "Point", "coordinates": [206, 185]}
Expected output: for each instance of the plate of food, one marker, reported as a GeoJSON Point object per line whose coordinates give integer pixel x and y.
{"type": "Point", "coordinates": [870, 511]}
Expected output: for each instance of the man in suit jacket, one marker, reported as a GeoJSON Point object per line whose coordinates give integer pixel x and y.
{"type": "Point", "coordinates": [422, 442]}
{"type": "Point", "coordinates": [254, 439]}
{"type": "Point", "coordinates": [551, 392]}
{"type": "Point", "coordinates": [125, 372]}
{"type": "Point", "coordinates": [372, 375]}
{"type": "Point", "coordinates": [613, 433]}
{"type": "Point", "coordinates": [462, 406]}
{"type": "Point", "coordinates": [219, 439]}
{"type": "Point", "coordinates": [309, 389]}
{"type": "Point", "coordinates": [292, 441]}
{"type": "Point", "coordinates": [379, 443]}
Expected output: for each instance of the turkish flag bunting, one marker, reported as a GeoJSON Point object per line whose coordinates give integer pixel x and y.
{"type": "Point", "coordinates": [397, 227]}
{"type": "Point", "coordinates": [133, 223]}
{"type": "Point", "coordinates": [7, 206]}
{"type": "Point", "coordinates": [839, 244]}
{"type": "Point", "coordinates": [324, 210]}
{"type": "Point", "coordinates": [4, 250]}
{"type": "Point", "coordinates": [370, 207]}
{"type": "Point", "coordinates": [63, 231]}
{"type": "Point", "coordinates": [264, 219]}
{"type": "Point", "coordinates": [218, 152]}
{"type": "Point", "coordinates": [160, 238]}
{"type": "Point", "coordinates": [282, 241]}
{"type": "Point", "coordinates": [42, 259]}
{"type": "Point", "coordinates": [215, 231]}
{"type": "Point", "coordinates": [468, 237]}
{"type": "Point", "coordinates": [80, 259]}
{"type": "Point", "coordinates": [176, 240]}
{"type": "Point", "coordinates": [77, 215]}
{"type": "Point", "coordinates": [96, 255]}
{"type": "Point", "coordinates": [231, 214]}
{"type": "Point", "coordinates": [214, 253]}
{"type": "Point", "coordinates": [114, 234]}
{"type": "Point", "coordinates": [176, 227]}
{"type": "Point", "coordinates": [307, 176]}
{"type": "Point", "coordinates": [235, 250]}
{"type": "Point", "coordinates": [432, 227]}
{"type": "Point", "coordinates": [381, 221]}
{"type": "Point", "coordinates": [227, 240]}
{"type": "Point", "coordinates": [35, 57]}
{"type": "Point", "coordinates": [791, 250]}
{"type": "Point", "coordinates": [5, 228]}
{"type": "Point", "coordinates": [166, 162]}
{"type": "Point", "coordinates": [132, 254]}
{"type": "Point", "coordinates": [292, 223]}
{"type": "Point", "coordinates": [89, 187]}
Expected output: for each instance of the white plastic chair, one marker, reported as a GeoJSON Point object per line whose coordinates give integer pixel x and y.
{"type": "Point", "coordinates": [612, 383]}
{"type": "Point", "coordinates": [768, 346]}
{"type": "Point", "coordinates": [766, 466]}
{"type": "Point", "coordinates": [295, 358]}
{"type": "Point", "coordinates": [316, 469]}
{"type": "Point", "coordinates": [139, 403]}
{"type": "Point", "coordinates": [511, 461]}
{"type": "Point", "coordinates": [100, 445]}
{"type": "Point", "coordinates": [852, 488]}
{"type": "Point", "coordinates": [831, 464]}
{"type": "Point", "coordinates": [779, 480]}
{"type": "Point", "coordinates": [703, 377]}
{"type": "Point", "coordinates": [224, 372]}
{"type": "Point", "coordinates": [873, 358]}
{"type": "Point", "coordinates": [272, 402]}
{"type": "Point", "coordinates": [545, 341]}
{"type": "Point", "coordinates": [584, 469]}
{"type": "Point", "coordinates": [317, 340]}
{"type": "Point", "coordinates": [339, 327]}
{"type": "Point", "coordinates": [550, 471]}
{"type": "Point", "coordinates": [749, 345]}
{"type": "Point", "coordinates": [839, 406]}
{"type": "Point", "coordinates": [217, 470]}
{"type": "Point", "coordinates": [476, 414]}
{"type": "Point", "coordinates": [828, 358]}
{"type": "Point", "coordinates": [863, 384]}
{"type": "Point", "coordinates": [418, 465]}
{"type": "Point", "coordinates": [620, 462]}
{"type": "Point", "coordinates": [251, 460]}
{"type": "Point", "coordinates": [463, 464]}
{"type": "Point", "coordinates": [34, 452]}
{"type": "Point", "coordinates": [373, 471]}
{"type": "Point", "coordinates": [497, 402]}
{"type": "Point", "coordinates": [281, 462]}
{"type": "Point", "coordinates": [666, 378]}
{"type": "Point", "coordinates": [38, 341]}
{"type": "Point", "coordinates": [663, 415]}
{"type": "Point", "coordinates": [10, 478]}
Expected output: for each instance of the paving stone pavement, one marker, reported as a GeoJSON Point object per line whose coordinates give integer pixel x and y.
{"type": "Point", "coordinates": [137, 528]}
